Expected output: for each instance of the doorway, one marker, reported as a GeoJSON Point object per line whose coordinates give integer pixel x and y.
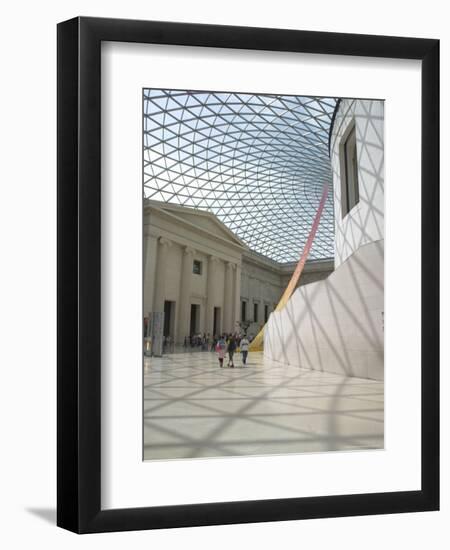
{"type": "Point", "coordinates": [195, 319]}
{"type": "Point", "coordinates": [169, 318]}
{"type": "Point", "coordinates": [216, 322]}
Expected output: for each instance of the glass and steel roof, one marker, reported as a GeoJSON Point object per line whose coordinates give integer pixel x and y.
{"type": "Point", "coordinates": [258, 162]}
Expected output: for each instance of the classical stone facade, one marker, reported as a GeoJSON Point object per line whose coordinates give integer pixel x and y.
{"type": "Point", "coordinates": [204, 278]}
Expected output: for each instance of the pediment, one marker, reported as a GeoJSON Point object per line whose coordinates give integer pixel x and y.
{"type": "Point", "coordinates": [202, 220]}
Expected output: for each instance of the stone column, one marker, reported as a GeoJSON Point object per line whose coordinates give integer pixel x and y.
{"type": "Point", "coordinates": [228, 298]}
{"type": "Point", "coordinates": [150, 260]}
{"type": "Point", "coordinates": [184, 310]}
{"type": "Point", "coordinates": [211, 294]}
{"type": "Point", "coordinates": [209, 313]}
{"type": "Point", "coordinates": [160, 279]}
{"type": "Point", "coordinates": [237, 297]}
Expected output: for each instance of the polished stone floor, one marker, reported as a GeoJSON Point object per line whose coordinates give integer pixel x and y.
{"type": "Point", "coordinates": [193, 408]}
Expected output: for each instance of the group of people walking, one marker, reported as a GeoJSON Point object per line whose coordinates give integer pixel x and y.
{"type": "Point", "coordinates": [225, 345]}
{"type": "Point", "coordinates": [228, 344]}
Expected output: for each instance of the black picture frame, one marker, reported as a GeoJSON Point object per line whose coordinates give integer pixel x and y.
{"type": "Point", "coordinates": [79, 280]}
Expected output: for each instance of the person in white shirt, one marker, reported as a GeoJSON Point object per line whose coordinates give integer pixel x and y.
{"type": "Point", "coordinates": [244, 349]}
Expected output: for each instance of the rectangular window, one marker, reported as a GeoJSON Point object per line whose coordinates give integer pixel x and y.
{"type": "Point", "coordinates": [349, 172]}
{"type": "Point", "coordinates": [255, 313]}
{"type": "Point", "coordinates": [266, 313]}
{"type": "Point", "coordinates": [243, 311]}
{"type": "Point", "coordinates": [197, 267]}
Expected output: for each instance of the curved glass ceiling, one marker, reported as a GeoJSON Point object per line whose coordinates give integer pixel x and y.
{"type": "Point", "coordinates": [258, 162]}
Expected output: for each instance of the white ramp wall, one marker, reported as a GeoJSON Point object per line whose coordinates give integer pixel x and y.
{"type": "Point", "coordinates": [335, 325]}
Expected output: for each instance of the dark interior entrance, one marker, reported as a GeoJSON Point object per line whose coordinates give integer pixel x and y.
{"type": "Point", "coordinates": [216, 322]}
{"type": "Point", "coordinates": [195, 319]}
{"type": "Point", "coordinates": [169, 318]}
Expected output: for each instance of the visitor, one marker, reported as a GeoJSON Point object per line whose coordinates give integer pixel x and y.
{"type": "Point", "coordinates": [244, 349]}
{"type": "Point", "coordinates": [221, 349]}
{"type": "Point", "coordinates": [231, 350]}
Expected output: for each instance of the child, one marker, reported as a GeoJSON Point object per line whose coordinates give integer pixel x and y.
{"type": "Point", "coordinates": [221, 349]}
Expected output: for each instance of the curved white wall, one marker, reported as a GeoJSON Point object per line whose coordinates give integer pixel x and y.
{"type": "Point", "coordinates": [336, 325]}
{"type": "Point", "coordinates": [365, 222]}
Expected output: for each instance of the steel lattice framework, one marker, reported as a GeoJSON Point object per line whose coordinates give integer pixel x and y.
{"type": "Point", "coordinates": [258, 162]}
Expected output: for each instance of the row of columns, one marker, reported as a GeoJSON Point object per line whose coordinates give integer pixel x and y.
{"type": "Point", "coordinates": [227, 299]}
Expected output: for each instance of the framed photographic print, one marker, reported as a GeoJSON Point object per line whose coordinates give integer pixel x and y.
{"type": "Point", "coordinates": [248, 255]}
